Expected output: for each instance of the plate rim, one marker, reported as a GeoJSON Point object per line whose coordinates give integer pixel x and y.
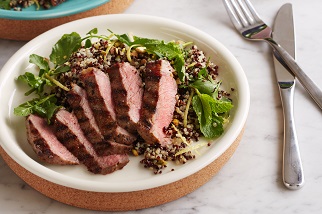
{"type": "Point", "coordinates": [84, 185]}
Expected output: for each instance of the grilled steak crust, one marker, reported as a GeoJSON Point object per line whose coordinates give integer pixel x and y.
{"type": "Point", "coordinates": [98, 89]}
{"type": "Point", "coordinates": [122, 136]}
{"type": "Point", "coordinates": [116, 148]}
{"type": "Point", "coordinates": [68, 131]}
{"type": "Point", "coordinates": [77, 99]}
{"type": "Point", "coordinates": [127, 92]}
{"type": "Point", "coordinates": [45, 144]}
{"type": "Point", "coordinates": [158, 102]}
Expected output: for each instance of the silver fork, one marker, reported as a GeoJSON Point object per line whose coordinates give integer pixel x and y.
{"type": "Point", "coordinates": [250, 25]}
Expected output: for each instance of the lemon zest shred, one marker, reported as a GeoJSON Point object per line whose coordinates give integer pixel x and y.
{"type": "Point", "coordinates": [37, 4]}
{"type": "Point", "coordinates": [189, 146]}
{"type": "Point", "coordinates": [192, 148]}
{"type": "Point", "coordinates": [185, 115]}
{"type": "Point", "coordinates": [110, 37]}
{"type": "Point", "coordinates": [191, 65]}
{"type": "Point", "coordinates": [128, 52]}
{"type": "Point", "coordinates": [180, 135]}
{"type": "Point", "coordinates": [108, 49]}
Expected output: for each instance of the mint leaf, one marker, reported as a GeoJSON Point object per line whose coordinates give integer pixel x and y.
{"type": "Point", "coordinates": [221, 106]}
{"type": "Point", "coordinates": [212, 126]}
{"type": "Point", "coordinates": [198, 108]}
{"type": "Point", "coordinates": [63, 49]}
{"type": "Point", "coordinates": [206, 106]}
{"type": "Point", "coordinates": [216, 127]}
{"type": "Point", "coordinates": [205, 121]}
{"type": "Point", "coordinates": [204, 86]}
{"type": "Point", "coordinates": [210, 114]}
{"type": "Point", "coordinates": [203, 73]}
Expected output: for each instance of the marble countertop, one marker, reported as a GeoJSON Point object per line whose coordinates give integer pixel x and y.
{"type": "Point", "coordinates": [251, 182]}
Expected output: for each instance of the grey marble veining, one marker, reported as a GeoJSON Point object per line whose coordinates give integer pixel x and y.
{"type": "Point", "coordinates": [251, 181]}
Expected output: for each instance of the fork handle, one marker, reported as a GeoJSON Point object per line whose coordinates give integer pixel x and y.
{"type": "Point", "coordinates": [289, 63]}
{"type": "Point", "coordinates": [293, 176]}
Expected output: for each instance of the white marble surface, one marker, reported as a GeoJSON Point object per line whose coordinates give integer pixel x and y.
{"type": "Point", "coordinates": [251, 181]}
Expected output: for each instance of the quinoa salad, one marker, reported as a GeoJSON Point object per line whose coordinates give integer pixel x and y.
{"type": "Point", "coordinates": [201, 110]}
{"type": "Point", "coordinates": [18, 5]}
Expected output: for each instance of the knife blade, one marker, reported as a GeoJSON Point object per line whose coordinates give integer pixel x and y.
{"type": "Point", "coordinates": [283, 33]}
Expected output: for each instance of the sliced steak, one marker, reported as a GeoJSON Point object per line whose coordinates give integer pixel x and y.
{"type": "Point", "coordinates": [158, 102]}
{"type": "Point", "coordinates": [99, 92]}
{"type": "Point", "coordinates": [43, 141]}
{"type": "Point", "coordinates": [98, 89]}
{"type": "Point", "coordinates": [68, 131]}
{"type": "Point", "coordinates": [127, 94]}
{"type": "Point", "coordinates": [123, 137]}
{"type": "Point", "coordinates": [116, 148]}
{"type": "Point", "coordinates": [77, 99]}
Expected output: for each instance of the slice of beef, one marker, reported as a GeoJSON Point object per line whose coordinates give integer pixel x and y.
{"type": "Point", "coordinates": [122, 136]}
{"type": "Point", "coordinates": [115, 148]}
{"type": "Point", "coordinates": [99, 92]}
{"type": "Point", "coordinates": [158, 102]}
{"type": "Point", "coordinates": [98, 89]}
{"type": "Point", "coordinates": [127, 92]}
{"type": "Point", "coordinates": [68, 131]}
{"type": "Point", "coordinates": [77, 99]}
{"type": "Point", "coordinates": [43, 141]}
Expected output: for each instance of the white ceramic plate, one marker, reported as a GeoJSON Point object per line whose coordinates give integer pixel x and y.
{"type": "Point", "coordinates": [133, 177]}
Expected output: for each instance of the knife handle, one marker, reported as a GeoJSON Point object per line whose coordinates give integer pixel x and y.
{"type": "Point", "coordinates": [293, 176]}
{"type": "Point", "coordinates": [289, 63]}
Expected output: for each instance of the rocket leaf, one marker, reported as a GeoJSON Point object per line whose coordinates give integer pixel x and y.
{"type": "Point", "coordinates": [170, 50]}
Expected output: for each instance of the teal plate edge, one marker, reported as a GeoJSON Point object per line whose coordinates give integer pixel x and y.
{"type": "Point", "coordinates": [69, 7]}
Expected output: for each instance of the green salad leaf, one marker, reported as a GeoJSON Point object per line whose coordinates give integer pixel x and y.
{"type": "Point", "coordinates": [36, 83]}
{"type": "Point", "coordinates": [40, 61]}
{"type": "Point", "coordinates": [43, 106]}
{"type": "Point", "coordinates": [208, 112]}
{"type": "Point", "coordinates": [93, 31]}
{"type": "Point", "coordinates": [5, 4]}
{"type": "Point", "coordinates": [204, 86]}
{"type": "Point", "coordinates": [221, 106]}
{"type": "Point", "coordinates": [63, 49]}
{"type": "Point", "coordinates": [170, 50]}
{"type": "Point", "coordinates": [211, 109]}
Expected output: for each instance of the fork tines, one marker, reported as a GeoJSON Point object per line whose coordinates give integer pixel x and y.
{"type": "Point", "coordinates": [241, 13]}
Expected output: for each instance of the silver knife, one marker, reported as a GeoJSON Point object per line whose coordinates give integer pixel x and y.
{"type": "Point", "coordinates": [293, 176]}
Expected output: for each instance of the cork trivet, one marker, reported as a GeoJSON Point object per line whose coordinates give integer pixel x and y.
{"type": "Point", "coordinates": [24, 30]}
{"type": "Point", "coordinates": [123, 201]}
